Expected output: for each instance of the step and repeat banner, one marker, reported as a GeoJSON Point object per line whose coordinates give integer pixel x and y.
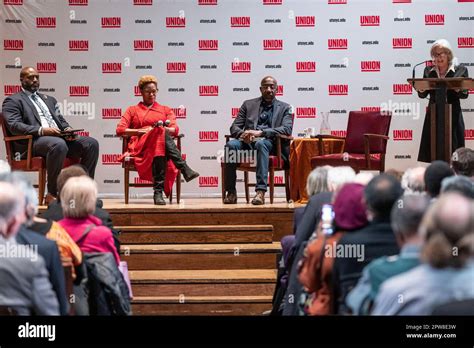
{"type": "Point", "coordinates": [209, 56]}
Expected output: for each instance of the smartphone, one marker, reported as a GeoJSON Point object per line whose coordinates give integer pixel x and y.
{"type": "Point", "coordinates": [327, 219]}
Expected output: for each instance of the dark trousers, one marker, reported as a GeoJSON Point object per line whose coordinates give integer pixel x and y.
{"type": "Point", "coordinates": [263, 148]}
{"type": "Point", "coordinates": [56, 149]}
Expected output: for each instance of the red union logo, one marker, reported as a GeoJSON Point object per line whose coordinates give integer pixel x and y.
{"type": "Point", "coordinates": [305, 21]}
{"type": "Point", "coordinates": [370, 65]}
{"type": "Point", "coordinates": [402, 88]}
{"type": "Point", "coordinates": [78, 45]}
{"type": "Point", "coordinates": [111, 68]}
{"type": "Point", "coordinates": [465, 42]}
{"type": "Point", "coordinates": [305, 66]}
{"type": "Point", "coordinates": [83, 133]}
{"type": "Point", "coordinates": [338, 89]}
{"type": "Point", "coordinates": [142, 2]}
{"type": "Point", "coordinates": [369, 21]}
{"type": "Point", "coordinates": [111, 158]}
{"type": "Point", "coordinates": [45, 68]}
{"type": "Point", "coordinates": [11, 89]}
{"type": "Point", "coordinates": [277, 179]}
{"type": "Point", "coordinates": [469, 134]}
{"type": "Point", "coordinates": [208, 136]}
{"type": "Point", "coordinates": [370, 108]}
{"type": "Point", "coordinates": [208, 45]}
{"type": "Point", "coordinates": [337, 2]}
{"type": "Point", "coordinates": [143, 45]}
{"type": "Point", "coordinates": [279, 91]}
{"type": "Point", "coordinates": [13, 2]}
{"type": "Point", "coordinates": [401, 1]}
{"type": "Point", "coordinates": [111, 22]}
{"type": "Point", "coordinates": [234, 112]}
{"type": "Point", "coordinates": [434, 19]}
{"type": "Point", "coordinates": [208, 181]}
{"type": "Point", "coordinates": [207, 2]}
{"type": "Point", "coordinates": [402, 42]}
{"type": "Point", "coordinates": [111, 113]}
{"type": "Point", "coordinates": [208, 91]}
{"type": "Point", "coordinates": [465, 0]}
{"type": "Point", "coordinates": [239, 22]}
{"type": "Point", "coordinates": [241, 67]}
{"type": "Point", "coordinates": [79, 91]}
{"type": "Point", "coordinates": [175, 22]}
{"type": "Point", "coordinates": [179, 112]}
{"type": "Point", "coordinates": [402, 134]}
{"type": "Point", "coordinates": [272, 45]}
{"type": "Point", "coordinates": [13, 45]}
{"type": "Point", "coordinates": [137, 91]}
{"type": "Point", "coordinates": [78, 2]}
{"type": "Point", "coordinates": [337, 44]}
{"type": "Point", "coordinates": [305, 112]}
{"type": "Point", "coordinates": [272, 2]}
{"type": "Point", "coordinates": [339, 133]}
{"type": "Point", "coordinates": [46, 22]}
{"type": "Point", "coordinates": [176, 67]}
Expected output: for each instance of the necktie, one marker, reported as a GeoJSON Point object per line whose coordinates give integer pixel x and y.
{"type": "Point", "coordinates": [45, 111]}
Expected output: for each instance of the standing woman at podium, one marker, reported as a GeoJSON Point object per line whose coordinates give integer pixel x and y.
{"type": "Point", "coordinates": [443, 67]}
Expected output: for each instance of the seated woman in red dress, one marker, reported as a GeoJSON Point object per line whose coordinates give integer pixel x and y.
{"type": "Point", "coordinates": [156, 124]}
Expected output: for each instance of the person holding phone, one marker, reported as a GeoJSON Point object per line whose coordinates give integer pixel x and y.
{"type": "Point", "coordinates": [31, 113]}
{"type": "Point", "coordinates": [443, 67]}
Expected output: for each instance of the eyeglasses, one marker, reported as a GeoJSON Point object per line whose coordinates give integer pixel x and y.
{"type": "Point", "coordinates": [439, 54]}
{"type": "Point", "coordinates": [150, 91]}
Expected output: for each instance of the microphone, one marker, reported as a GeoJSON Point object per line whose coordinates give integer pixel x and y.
{"type": "Point", "coordinates": [414, 68]}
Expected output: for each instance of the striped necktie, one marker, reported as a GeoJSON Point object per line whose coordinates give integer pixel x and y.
{"type": "Point", "coordinates": [45, 111]}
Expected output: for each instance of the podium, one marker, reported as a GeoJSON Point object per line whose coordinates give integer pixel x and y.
{"type": "Point", "coordinates": [441, 113]}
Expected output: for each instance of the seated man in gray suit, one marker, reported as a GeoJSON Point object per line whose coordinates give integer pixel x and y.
{"type": "Point", "coordinates": [31, 113]}
{"type": "Point", "coordinates": [258, 122]}
{"type": "Point", "coordinates": [25, 285]}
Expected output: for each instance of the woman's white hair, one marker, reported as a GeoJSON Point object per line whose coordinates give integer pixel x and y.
{"type": "Point", "coordinates": [78, 197]}
{"type": "Point", "coordinates": [444, 44]}
{"type": "Point", "coordinates": [338, 176]}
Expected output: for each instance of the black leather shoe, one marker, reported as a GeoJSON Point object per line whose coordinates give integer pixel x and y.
{"type": "Point", "coordinates": [230, 198]}
{"type": "Point", "coordinates": [189, 174]}
{"type": "Point", "coordinates": [158, 198]}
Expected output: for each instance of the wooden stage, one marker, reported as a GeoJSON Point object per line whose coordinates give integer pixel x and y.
{"type": "Point", "coordinates": [201, 257]}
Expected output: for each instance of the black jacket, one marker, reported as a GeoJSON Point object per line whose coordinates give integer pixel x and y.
{"type": "Point", "coordinates": [48, 249]}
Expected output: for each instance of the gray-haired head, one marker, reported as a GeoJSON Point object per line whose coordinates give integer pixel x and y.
{"type": "Point", "coordinates": [4, 167]}
{"type": "Point", "coordinates": [25, 188]}
{"type": "Point", "coordinates": [407, 214]}
{"type": "Point", "coordinates": [317, 181]}
{"type": "Point", "coordinates": [459, 183]}
{"type": "Point", "coordinates": [338, 176]}
{"type": "Point", "coordinates": [413, 180]}
{"type": "Point", "coordinates": [11, 205]}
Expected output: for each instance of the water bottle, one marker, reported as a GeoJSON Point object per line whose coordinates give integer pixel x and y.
{"type": "Point", "coordinates": [325, 128]}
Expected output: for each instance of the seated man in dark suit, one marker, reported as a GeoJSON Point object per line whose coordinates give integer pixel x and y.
{"type": "Point", "coordinates": [31, 113]}
{"type": "Point", "coordinates": [258, 122]}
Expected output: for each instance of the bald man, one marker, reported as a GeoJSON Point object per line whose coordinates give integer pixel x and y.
{"type": "Point", "coordinates": [31, 113]}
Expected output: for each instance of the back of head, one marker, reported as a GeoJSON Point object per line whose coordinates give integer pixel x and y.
{"type": "Point", "coordinates": [407, 214]}
{"type": "Point", "coordinates": [434, 174]}
{"type": "Point", "coordinates": [460, 184]}
{"type": "Point", "coordinates": [338, 176]}
{"type": "Point", "coordinates": [413, 180]}
{"type": "Point", "coordinates": [4, 167]}
{"type": "Point", "coordinates": [69, 172]}
{"type": "Point", "coordinates": [462, 161]}
{"type": "Point", "coordinates": [349, 207]}
{"type": "Point", "coordinates": [11, 205]}
{"type": "Point", "coordinates": [78, 197]}
{"type": "Point", "coordinates": [317, 181]}
{"type": "Point", "coordinates": [25, 188]}
{"type": "Point", "coordinates": [447, 230]}
{"type": "Point", "coordinates": [380, 195]}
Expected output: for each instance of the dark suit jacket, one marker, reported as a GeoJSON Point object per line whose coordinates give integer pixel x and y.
{"type": "Point", "coordinates": [424, 154]}
{"type": "Point", "coordinates": [55, 212]}
{"type": "Point", "coordinates": [282, 121]}
{"type": "Point", "coordinates": [48, 249]}
{"type": "Point", "coordinates": [22, 118]}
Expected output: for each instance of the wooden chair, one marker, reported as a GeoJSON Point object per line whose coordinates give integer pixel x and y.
{"type": "Point", "coordinates": [365, 143]}
{"type": "Point", "coordinates": [275, 163]}
{"type": "Point", "coordinates": [30, 163]}
{"type": "Point", "coordinates": [128, 166]}
{"type": "Point", "coordinates": [7, 311]}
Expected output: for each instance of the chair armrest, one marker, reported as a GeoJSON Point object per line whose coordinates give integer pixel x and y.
{"type": "Point", "coordinates": [29, 154]}
{"type": "Point", "coordinates": [286, 137]}
{"type": "Point", "coordinates": [18, 137]}
{"type": "Point", "coordinates": [369, 135]}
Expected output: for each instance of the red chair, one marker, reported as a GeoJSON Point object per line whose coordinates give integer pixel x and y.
{"type": "Point", "coordinates": [276, 163]}
{"type": "Point", "coordinates": [128, 166]}
{"type": "Point", "coordinates": [365, 143]}
{"type": "Point", "coordinates": [30, 163]}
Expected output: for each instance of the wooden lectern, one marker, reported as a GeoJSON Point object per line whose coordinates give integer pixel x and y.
{"type": "Point", "coordinates": [440, 112]}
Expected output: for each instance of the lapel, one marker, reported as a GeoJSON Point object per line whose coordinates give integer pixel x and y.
{"type": "Point", "coordinates": [32, 107]}
{"type": "Point", "coordinates": [276, 110]}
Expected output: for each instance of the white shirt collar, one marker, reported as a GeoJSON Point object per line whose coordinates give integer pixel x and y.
{"type": "Point", "coordinates": [451, 68]}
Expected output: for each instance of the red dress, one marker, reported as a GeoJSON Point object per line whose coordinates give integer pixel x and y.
{"type": "Point", "coordinates": [147, 146]}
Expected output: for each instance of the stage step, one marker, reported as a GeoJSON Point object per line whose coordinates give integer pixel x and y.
{"type": "Point", "coordinates": [196, 234]}
{"type": "Point", "coordinates": [251, 282]}
{"type": "Point", "coordinates": [200, 256]}
{"type": "Point", "coordinates": [201, 305]}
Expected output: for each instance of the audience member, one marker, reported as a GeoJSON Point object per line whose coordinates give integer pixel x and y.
{"type": "Point", "coordinates": [462, 162]}
{"type": "Point", "coordinates": [448, 264]}
{"type": "Point", "coordinates": [459, 183]}
{"type": "Point", "coordinates": [434, 174]}
{"type": "Point", "coordinates": [413, 180]}
{"type": "Point", "coordinates": [4, 167]}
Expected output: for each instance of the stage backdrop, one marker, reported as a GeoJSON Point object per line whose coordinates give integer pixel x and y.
{"type": "Point", "coordinates": [210, 55]}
